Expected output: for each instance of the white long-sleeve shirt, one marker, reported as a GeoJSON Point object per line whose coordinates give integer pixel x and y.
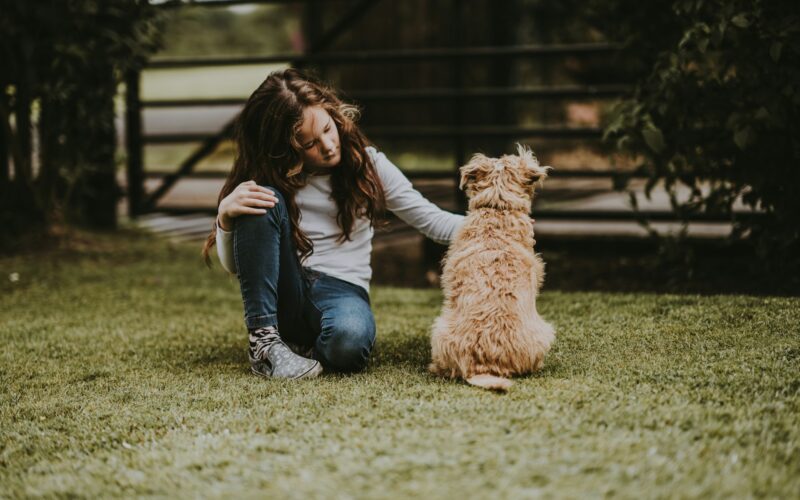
{"type": "Point", "coordinates": [350, 260]}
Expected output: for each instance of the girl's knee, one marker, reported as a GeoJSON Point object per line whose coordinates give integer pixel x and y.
{"type": "Point", "coordinates": [346, 347]}
{"type": "Point", "coordinates": [273, 214]}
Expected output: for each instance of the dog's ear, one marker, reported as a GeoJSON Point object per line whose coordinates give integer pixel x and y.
{"type": "Point", "coordinates": [534, 173]}
{"type": "Point", "coordinates": [477, 168]}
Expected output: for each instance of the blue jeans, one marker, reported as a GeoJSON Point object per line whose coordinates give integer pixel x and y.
{"type": "Point", "coordinates": [309, 307]}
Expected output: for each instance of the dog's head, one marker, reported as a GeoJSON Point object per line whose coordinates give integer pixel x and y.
{"type": "Point", "coordinates": [507, 182]}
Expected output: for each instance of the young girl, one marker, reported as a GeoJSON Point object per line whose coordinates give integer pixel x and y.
{"type": "Point", "coordinates": [295, 223]}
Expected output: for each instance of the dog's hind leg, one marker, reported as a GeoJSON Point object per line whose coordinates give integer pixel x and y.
{"type": "Point", "coordinates": [538, 272]}
{"type": "Point", "coordinates": [440, 332]}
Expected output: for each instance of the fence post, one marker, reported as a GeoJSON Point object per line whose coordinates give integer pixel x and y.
{"type": "Point", "coordinates": [133, 134]}
{"type": "Point", "coordinates": [458, 103]}
{"type": "Point", "coordinates": [22, 114]}
{"type": "Point", "coordinates": [5, 171]}
{"type": "Point", "coordinates": [503, 15]}
{"type": "Point", "coordinates": [312, 31]}
{"type": "Point", "coordinates": [434, 252]}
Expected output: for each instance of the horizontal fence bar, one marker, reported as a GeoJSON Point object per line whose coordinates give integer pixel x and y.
{"type": "Point", "coordinates": [559, 92]}
{"type": "Point", "coordinates": [429, 174]}
{"type": "Point", "coordinates": [174, 4]}
{"type": "Point", "coordinates": [651, 215]}
{"type": "Point", "coordinates": [426, 133]}
{"type": "Point", "coordinates": [590, 215]}
{"type": "Point", "coordinates": [563, 91]}
{"type": "Point", "coordinates": [363, 56]}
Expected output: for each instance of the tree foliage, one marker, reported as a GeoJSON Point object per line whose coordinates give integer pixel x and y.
{"type": "Point", "coordinates": [716, 108]}
{"type": "Point", "coordinates": [64, 59]}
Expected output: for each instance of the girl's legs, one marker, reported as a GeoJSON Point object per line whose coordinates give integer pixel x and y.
{"type": "Point", "coordinates": [307, 306]}
{"type": "Point", "coordinates": [347, 325]}
{"type": "Point", "coordinates": [273, 290]}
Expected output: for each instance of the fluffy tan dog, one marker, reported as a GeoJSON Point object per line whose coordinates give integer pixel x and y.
{"type": "Point", "coordinates": [488, 328]}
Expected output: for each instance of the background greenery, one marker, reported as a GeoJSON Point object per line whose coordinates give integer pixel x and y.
{"type": "Point", "coordinates": [716, 108]}
{"type": "Point", "coordinates": [62, 62]}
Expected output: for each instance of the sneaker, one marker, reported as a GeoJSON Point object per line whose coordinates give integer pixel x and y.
{"type": "Point", "coordinates": [271, 357]}
{"type": "Point", "coordinates": [301, 350]}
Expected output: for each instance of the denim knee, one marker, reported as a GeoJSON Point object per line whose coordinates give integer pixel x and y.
{"type": "Point", "coordinates": [274, 213]}
{"type": "Point", "coordinates": [347, 343]}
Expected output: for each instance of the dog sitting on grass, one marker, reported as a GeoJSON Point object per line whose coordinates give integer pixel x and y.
{"type": "Point", "coordinates": [488, 329]}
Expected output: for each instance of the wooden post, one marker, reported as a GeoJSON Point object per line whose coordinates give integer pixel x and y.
{"type": "Point", "coordinates": [503, 16]}
{"type": "Point", "coordinates": [133, 134]}
{"type": "Point", "coordinates": [5, 171]}
{"type": "Point", "coordinates": [458, 103]}
{"type": "Point", "coordinates": [22, 113]}
{"type": "Point", "coordinates": [312, 31]}
{"type": "Point", "coordinates": [434, 252]}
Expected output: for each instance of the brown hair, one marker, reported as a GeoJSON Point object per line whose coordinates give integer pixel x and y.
{"type": "Point", "coordinates": [268, 152]}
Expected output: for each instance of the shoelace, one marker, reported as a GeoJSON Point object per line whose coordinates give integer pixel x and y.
{"type": "Point", "coordinates": [265, 339]}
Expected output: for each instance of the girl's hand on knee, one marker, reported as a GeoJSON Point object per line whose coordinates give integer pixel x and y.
{"type": "Point", "coordinates": [247, 198]}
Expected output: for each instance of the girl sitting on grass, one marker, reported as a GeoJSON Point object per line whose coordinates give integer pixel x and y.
{"type": "Point", "coordinates": [295, 223]}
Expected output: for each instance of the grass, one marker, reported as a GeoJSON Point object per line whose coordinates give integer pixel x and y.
{"type": "Point", "coordinates": [123, 372]}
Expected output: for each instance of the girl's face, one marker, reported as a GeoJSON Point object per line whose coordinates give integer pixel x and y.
{"type": "Point", "coordinates": [319, 138]}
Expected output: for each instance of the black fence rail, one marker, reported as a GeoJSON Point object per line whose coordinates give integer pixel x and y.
{"type": "Point", "coordinates": [401, 55]}
{"type": "Point", "coordinates": [402, 132]}
{"type": "Point", "coordinates": [433, 174]}
{"type": "Point", "coordinates": [437, 94]}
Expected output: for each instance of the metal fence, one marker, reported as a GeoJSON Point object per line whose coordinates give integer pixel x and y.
{"type": "Point", "coordinates": [457, 133]}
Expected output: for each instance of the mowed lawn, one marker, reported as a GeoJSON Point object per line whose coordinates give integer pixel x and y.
{"type": "Point", "coordinates": [123, 372]}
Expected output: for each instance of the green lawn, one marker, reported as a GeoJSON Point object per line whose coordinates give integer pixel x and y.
{"type": "Point", "coordinates": [124, 373]}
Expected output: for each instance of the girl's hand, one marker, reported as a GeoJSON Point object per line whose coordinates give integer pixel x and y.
{"type": "Point", "coordinates": [534, 239]}
{"type": "Point", "coordinates": [247, 198]}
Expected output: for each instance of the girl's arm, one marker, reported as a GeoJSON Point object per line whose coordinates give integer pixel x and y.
{"type": "Point", "coordinates": [409, 204]}
{"type": "Point", "coordinates": [225, 249]}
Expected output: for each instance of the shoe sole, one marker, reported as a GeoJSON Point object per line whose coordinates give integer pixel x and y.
{"type": "Point", "coordinates": [311, 373]}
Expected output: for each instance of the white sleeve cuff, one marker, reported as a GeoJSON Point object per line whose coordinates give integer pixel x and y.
{"type": "Point", "coordinates": [225, 249]}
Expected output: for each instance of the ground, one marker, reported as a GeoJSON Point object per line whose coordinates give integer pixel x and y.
{"type": "Point", "coordinates": [123, 372]}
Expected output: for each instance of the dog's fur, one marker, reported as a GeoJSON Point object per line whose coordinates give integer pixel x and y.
{"type": "Point", "coordinates": [489, 329]}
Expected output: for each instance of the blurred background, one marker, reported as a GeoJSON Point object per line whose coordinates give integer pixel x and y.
{"type": "Point", "coordinates": [670, 126]}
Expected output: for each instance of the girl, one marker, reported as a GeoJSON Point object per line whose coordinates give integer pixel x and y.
{"type": "Point", "coordinates": [295, 223]}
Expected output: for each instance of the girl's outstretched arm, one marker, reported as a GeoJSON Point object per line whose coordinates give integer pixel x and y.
{"type": "Point", "coordinates": [409, 204]}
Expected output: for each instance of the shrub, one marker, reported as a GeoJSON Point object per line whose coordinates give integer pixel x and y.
{"type": "Point", "coordinates": [716, 108]}
{"type": "Point", "coordinates": [65, 60]}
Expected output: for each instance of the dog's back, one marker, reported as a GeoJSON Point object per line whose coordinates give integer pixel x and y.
{"type": "Point", "coordinates": [489, 327]}
{"type": "Point", "coordinates": [490, 279]}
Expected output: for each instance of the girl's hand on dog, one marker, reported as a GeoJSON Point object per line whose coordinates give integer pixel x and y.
{"type": "Point", "coordinates": [247, 198]}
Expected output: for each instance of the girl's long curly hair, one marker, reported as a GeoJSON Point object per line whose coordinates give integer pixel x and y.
{"type": "Point", "coordinates": [269, 153]}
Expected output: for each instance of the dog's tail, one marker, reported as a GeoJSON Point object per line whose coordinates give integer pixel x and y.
{"type": "Point", "coordinates": [491, 382]}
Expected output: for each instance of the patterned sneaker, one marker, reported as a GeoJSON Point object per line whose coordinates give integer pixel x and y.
{"type": "Point", "coordinates": [270, 357]}
{"type": "Point", "coordinates": [300, 350]}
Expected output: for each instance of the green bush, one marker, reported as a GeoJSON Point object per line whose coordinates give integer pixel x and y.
{"type": "Point", "coordinates": [716, 104]}
{"type": "Point", "coordinates": [66, 59]}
